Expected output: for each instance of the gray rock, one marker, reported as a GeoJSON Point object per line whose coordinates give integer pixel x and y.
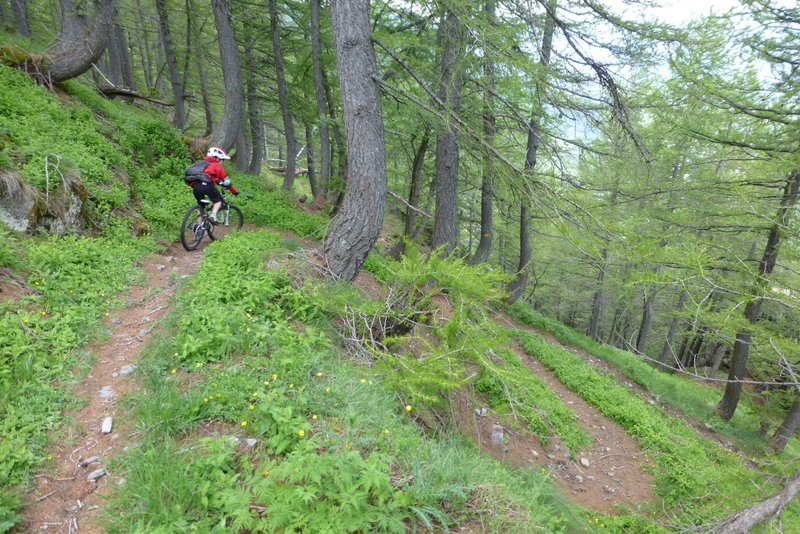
{"type": "Point", "coordinates": [116, 320]}
{"type": "Point", "coordinates": [107, 424]}
{"type": "Point", "coordinates": [146, 319]}
{"type": "Point", "coordinates": [161, 267]}
{"type": "Point", "coordinates": [250, 442]}
{"type": "Point", "coordinates": [127, 369]}
{"type": "Point", "coordinates": [497, 434]}
{"type": "Point", "coordinates": [90, 460]}
{"type": "Point", "coordinates": [106, 393]}
{"type": "Point", "coordinates": [97, 473]}
{"type": "Point", "coordinates": [584, 462]}
{"type": "Point", "coordinates": [578, 479]}
{"type": "Point", "coordinates": [169, 259]}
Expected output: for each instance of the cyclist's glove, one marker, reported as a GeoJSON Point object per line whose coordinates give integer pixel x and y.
{"type": "Point", "coordinates": [233, 190]}
{"type": "Point", "coordinates": [226, 182]}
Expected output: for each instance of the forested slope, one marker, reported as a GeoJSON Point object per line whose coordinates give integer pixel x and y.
{"type": "Point", "coordinates": [497, 261]}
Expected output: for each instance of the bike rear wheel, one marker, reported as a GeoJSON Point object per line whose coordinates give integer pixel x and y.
{"type": "Point", "coordinates": [230, 220]}
{"type": "Point", "coordinates": [191, 230]}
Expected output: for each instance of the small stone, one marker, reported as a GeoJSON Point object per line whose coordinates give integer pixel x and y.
{"type": "Point", "coordinates": [234, 439]}
{"type": "Point", "coordinates": [535, 454]}
{"type": "Point", "coordinates": [116, 320]}
{"type": "Point", "coordinates": [169, 259]}
{"type": "Point", "coordinates": [107, 423]}
{"type": "Point", "coordinates": [97, 473]}
{"type": "Point", "coordinates": [497, 434]}
{"type": "Point", "coordinates": [161, 267]}
{"type": "Point", "coordinates": [578, 479]}
{"type": "Point", "coordinates": [584, 462]}
{"type": "Point", "coordinates": [144, 331]}
{"type": "Point", "coordinates": [557, 447]}
{"type": "Point", "coordinates": [127, 369]}
{"type": "Point", "coordinates": [590, 478]}
{"type": "Point", "coordinates": [250, 442]}
{"type": "Point", "coordinates": [610, 490]}
{"type": "Point", "coordinates": [272, 264]}
{"type": "Point", "coordinates": [551, 456]}
{"type": "Point", "coordinates": [115, 374]}
{"type": "Point", "coordinates": [106, 392]}
{"type": "Point", "coordinates": [90, 460]}
{"type": "Point", "coordinates": [146, 319]}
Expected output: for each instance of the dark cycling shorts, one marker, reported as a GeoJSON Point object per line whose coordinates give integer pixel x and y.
{"type": "Point", "coordinates": [201, 190]}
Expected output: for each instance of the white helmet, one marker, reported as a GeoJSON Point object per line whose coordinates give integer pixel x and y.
{"type": "Point", "coordinates": [217, 152]}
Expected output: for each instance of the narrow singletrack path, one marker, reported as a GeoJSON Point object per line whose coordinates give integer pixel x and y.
{"type": "Point", "coordinates": [64, 499]}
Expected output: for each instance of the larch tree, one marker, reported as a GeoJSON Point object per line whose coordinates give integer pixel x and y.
{"type": "Point", "coordinates": [172, 64]}
{"type": "Point", "coordinates": [283, 98]}
{"type": "Point", "coordinates": [230, 126]}
{"type": "Point", "coordinates": [356, 226]}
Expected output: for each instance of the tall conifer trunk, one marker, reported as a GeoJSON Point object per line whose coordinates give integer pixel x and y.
{"type": "Point", "coordinates": [741, 348]}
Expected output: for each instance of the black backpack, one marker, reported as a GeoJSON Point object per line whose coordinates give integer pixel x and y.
{"type": "Point", "coordinates": [197, 172]}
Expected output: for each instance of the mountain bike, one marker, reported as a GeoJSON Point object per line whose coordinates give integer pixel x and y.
{"type": "Point", "coordinates": [197, 222]}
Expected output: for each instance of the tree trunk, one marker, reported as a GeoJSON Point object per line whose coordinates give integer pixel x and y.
{"type": "Point", "coordinates": [288, 127]}
{"type": "Point", "coordinates": [257, 147]}
{"type": "Point", "coordinates": [415, 193]}
{"type": "Point", "coordinates": [335, 190]}
{"type": "Point", "coordinates": [172, 64]}
{"type": "Point", "coordinates": [517, 286]}
{"type": "Point", "coordinates": [484, 249]}
{"type": "Point", "coordinates": [597, 299]}
{"type": "Point", "coordinates": [716, 359]}
{"type": "Point", "coordinates": [733, 389]}
{"type": "Point", "coordinates": [644, 326]}
{"type": "Point", "coordinates": [312, 173]}
{"type": "Point", "coordinates": [124, 53]}
{"type": "Point", "coordinates": [322, 113]}
{"type": "Point", "coordinates": [445, 223]}
{"type": "Point", "coordinates": [75, 50]}
{"type": "Point", "coordinates": [21, 17]}
{"type": "Point", "coordinates": [742, 522]}
{"type": "Point", "coordinates": [233, 114]}
{"type": "Point", "coordinates": [668, 350]}
{"type": "Point", "coordinates": [209, 112]}
{"type": "Point", "coordinates": [143, 47]}
{"type": "Point", "coordinates": [780, 439]}
{"type": "Point", "coordinates": [356, 226]}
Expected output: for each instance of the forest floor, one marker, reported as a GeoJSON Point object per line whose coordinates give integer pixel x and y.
{"type": "Point", "coordinates": [611, 473]}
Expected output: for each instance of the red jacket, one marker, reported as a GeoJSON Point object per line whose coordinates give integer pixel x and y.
{"type": "Point", "coordinates": [215, 170]}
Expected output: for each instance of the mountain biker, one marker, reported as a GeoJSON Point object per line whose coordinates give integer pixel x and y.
{"type": "Point", "coordinates": [205, 186]}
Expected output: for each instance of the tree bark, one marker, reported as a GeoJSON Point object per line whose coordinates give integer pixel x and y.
{"type": "Point", "coordinates": [644, 326]}
{"type": "Point", "coordinates": [336, 190]}
{"type": "Point", "coordinates": [233, 115]}
{"type": "Point", "coordinates": [288, 127]}
{"type": "Point", "coordinates": [597, 299]}
{"type": "Point", "coordinates": [517, 286]}
{"type": "Point", "coordinates": [21, 17]}
{"type": "Point", "coordinates": [742, 522]}
{"type": "Point", "coordinates": [76, 49]}
{"type": "Point", "coordinates": [445, 223]}
{"type": "Point", "coordinates": [780, 439]}
{"type": "Point", "coordinates": [257, 155]}
{"type": "Point", "coordinates": [668, 350]}
{"type": "Point", "coordinates": [738, 370]}
{"type": "Point", "coordinates": [414, 195]}
{"type": "Point", "coordinates": [172, 64]}
{"type": "Point", "coordinates": [484, 249]}
{"type": "Point", "coordinates": [322, 113]}
{"type": "Point", "coordinates": [356, 226]}
{"type": "Point", "coordinates": [310, 163]}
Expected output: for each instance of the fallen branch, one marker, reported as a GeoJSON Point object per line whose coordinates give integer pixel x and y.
{"type": "Point", "coordinates": [742, 522]}
{"type": "Point", "coordinates": [112, 91]}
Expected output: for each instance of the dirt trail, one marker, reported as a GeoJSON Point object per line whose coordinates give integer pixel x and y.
{"type": "Point", "coordinates": [608, 475]}
{"type": "Point", "coordinates": [64, 499]}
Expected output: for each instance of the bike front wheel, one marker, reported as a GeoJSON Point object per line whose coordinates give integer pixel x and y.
{"type": "Point", "coordinates": [192, 228]}
{"type": "Point", "coordinates": [230, 220]}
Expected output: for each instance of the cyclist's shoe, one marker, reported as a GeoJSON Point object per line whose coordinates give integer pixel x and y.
{"type": "Point", "coordinates": [213, 219]}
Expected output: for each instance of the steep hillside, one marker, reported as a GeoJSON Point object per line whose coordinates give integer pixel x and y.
{"type": "Point", "coordinates": [249, 393]}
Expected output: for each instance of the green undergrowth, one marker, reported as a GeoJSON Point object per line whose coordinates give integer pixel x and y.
{"type": "Point", "coordinates": [70, 283]}
{"type": "Point", "coordinates": [249, 356]}
{"type": "Point", "coordinates": [687, 465]}
{"type": "Point", "coordinates": [693, 398]}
